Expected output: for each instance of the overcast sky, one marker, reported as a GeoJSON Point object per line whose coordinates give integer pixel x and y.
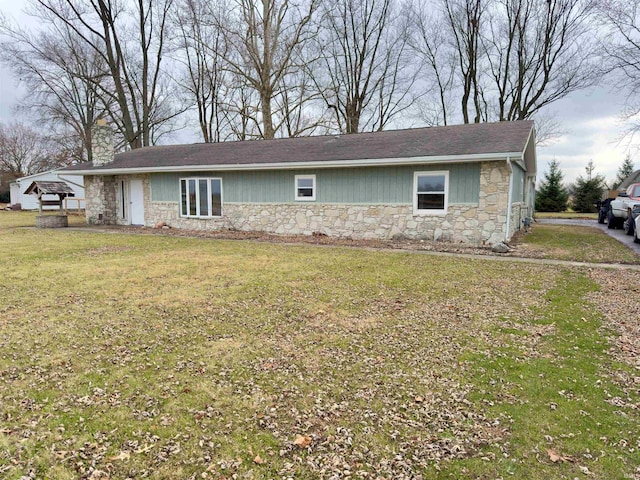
{"type": "Point", "coordinates": [589, 118]}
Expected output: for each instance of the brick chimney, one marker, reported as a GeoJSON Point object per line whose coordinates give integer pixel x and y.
{"type": "Point", "coordinates": [102, 143]}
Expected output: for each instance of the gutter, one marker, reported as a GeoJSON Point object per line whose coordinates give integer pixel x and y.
{"type": "Point", "coordinates": [509, 200]}
{"type": "Point", "coordinates": [376, 162]}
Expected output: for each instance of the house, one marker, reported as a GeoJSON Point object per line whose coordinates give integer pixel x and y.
{"type": "Point", "coordinates": [633, 178]}
{"type": "Point", "coordinates": [29, 202]}
{"type": "Point", "coordinates": [466, 183]}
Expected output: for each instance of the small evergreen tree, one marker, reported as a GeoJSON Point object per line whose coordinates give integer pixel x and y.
{"type": "Point", "coordinates": [587, 191]}
{"type": "Point", "coordinates": [552, 196]}
{"type": "Point", "coordinates": [624, 171]}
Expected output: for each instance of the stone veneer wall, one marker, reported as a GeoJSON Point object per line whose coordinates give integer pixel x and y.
{"type": "Point", "coordinates": [102, 141]}
{"type": "Point", "coordinates": [518, 213]}
{"type": "Point", "coordinates": [485, 222]}
{"type": "Point", "coordinates": [100, 203]}
{"type": "Point", "coordinates": [494, 200]}
{"type": "Point", "coordinates": [52, 221]}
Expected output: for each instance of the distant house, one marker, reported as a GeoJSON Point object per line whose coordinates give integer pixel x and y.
{"type": "Point", "coordinates": [633, 178]}
{"type": "Point", "coordinates": [30, 202]}
{"type": "Point", "coordinates": [466, 183]}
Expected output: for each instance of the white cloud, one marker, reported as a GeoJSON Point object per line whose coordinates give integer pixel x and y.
{"type": "Point", "coordinates": [595, 132]}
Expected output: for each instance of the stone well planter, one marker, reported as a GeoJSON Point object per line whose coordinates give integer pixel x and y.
{"type": "Point", "coordinates": [52, 221]}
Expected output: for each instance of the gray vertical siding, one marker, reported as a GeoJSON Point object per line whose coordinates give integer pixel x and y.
{"type": "Point", "coordinates": [367, 185]}
{"type": "Point", "coordinates": [517, 192]}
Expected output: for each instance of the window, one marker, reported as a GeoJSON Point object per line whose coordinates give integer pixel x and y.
{"type": "Point", "coordinates": [306, 188]}
{"type": "Point", "coordinates": [121, 193]}
{"type": "Point", "coordinates": [430, 192]}
{"type": "Point", "coordinates": [201, 197]}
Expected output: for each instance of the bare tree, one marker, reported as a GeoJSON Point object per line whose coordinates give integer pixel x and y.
{"type": "Point", "coordinates": [130, 38]}
{"type": "Point", "coordinates": [60, 75]}
{"type": "Point", "coordinates": [621, 18]}
{"type": "Point", "coordinates": [367, 78]}
{"type": "Point", "coordinates": [429, 40]}
{"type": "Point", "coordinates": [242, 110]}
{"type": "Point", "coordinates": [511, 58]}
{"type": "Point", "coordinates": [300, 109]}
{"type": "Point", "coordinates": [201, 48]}
{"type": "Point", "coordinates": [539, 51]}
{"type": "Point", "coordinates": [465, 19]}
{"type": "Point", "coordinates": [267, 36]}
{"type": "Point", "coordinates": [23, 150]}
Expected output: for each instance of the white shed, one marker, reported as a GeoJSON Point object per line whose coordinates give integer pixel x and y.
{"type": "Point", "coordinates": [30, 202]}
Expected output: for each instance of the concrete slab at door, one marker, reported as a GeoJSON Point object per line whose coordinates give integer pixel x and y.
{"type": "Point", "coordinates": [136, 202]}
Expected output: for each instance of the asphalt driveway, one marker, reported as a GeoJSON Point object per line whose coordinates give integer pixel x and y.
{"type": "Point", "coordinates": [618, 234]}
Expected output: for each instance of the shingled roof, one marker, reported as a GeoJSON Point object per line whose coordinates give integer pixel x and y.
{"type": "Point", "coordinates": [50, 188]}
{"type": "Point", "coordinates": [472, 140]}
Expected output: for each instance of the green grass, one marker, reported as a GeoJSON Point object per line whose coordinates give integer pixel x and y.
{"type": "Point", "coordinates": [27, 218]}
{"type": "Point", "coordinates": [172, 357]}
{"type": "Point", "coordinates": [576, 243]}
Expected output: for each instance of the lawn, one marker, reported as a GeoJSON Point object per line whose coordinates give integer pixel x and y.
{"type": "Point", "coordinates": [131, 356]}
{"type": "Point", "coordinates": [569, 215]}
{"type": "Point", "coordinates": [574, 243]}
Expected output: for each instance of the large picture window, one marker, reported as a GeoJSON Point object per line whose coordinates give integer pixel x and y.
{"type": "Point", "coordinates": [430, 192]}
{"type": "Point", "coordinates": [306, 188]}
{"type": "Point", "coordinates": [201, 197]}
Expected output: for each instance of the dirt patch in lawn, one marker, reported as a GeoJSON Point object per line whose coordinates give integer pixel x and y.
{"type": "Point", "coordinates": [399, 244]}
{"type": "Point", "coordinates": [605, 250]}
{"type": "Point", "coordinates": [106, 249]}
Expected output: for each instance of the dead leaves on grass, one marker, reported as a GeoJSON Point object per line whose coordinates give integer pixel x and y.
{"type": "Point", "coordinates": [121, 456]}
{"type": "Point", "coordinates": [379, 390]}
{"type": "Point", "coordinates": [556, 458]}
{"type": "Point", "coordinates": [619, 303]}
{"type": "Point", "coordinates": [302, 441]}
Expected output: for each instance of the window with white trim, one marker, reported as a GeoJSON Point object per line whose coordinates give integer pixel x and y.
{"type": "Point", "coordinates": [430, 192]}
{"type": "Point", "coordinates": [305, 188]}
{"type": "Point", "coordinates": [201, 197]}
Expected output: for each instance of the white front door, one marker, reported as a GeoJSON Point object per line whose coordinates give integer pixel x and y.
{"type": "Point", "coordinates": [136, 202]}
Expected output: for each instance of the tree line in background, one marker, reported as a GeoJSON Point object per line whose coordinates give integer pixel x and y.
{"type": "Point", "coordinates": [247, 69]}
{"type": "Point", "coordinates": [261, 69]}
{"type": "Point", "coordinates": [581, 196]}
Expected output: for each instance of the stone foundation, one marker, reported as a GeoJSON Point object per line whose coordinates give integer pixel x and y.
{"type": "Point", "coordinates": [381, 222]}
{"type": "Point", "coordinates": [519, 211]}
{"type": "Point", "coordinates": [52, 221]}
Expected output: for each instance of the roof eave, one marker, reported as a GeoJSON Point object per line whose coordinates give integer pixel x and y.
{"type": "Point", "coordinates": [531, 166]}
{"type": "Point", "coordinates": [27, 177]}
{"type": "Point", "coordinates": [371, 162]}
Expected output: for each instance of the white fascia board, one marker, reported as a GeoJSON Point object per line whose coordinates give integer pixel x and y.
{"type": "Point", "coordinates": [370, 162]}
{"type": "Point", "coordinates": [37, 175]}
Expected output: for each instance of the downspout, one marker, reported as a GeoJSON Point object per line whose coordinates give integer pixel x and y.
{"type": "Point", "coordinates": [509, 199]}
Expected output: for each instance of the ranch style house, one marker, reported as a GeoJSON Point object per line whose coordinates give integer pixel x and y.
{"type": "Point", "coordinates": [471, 183]}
